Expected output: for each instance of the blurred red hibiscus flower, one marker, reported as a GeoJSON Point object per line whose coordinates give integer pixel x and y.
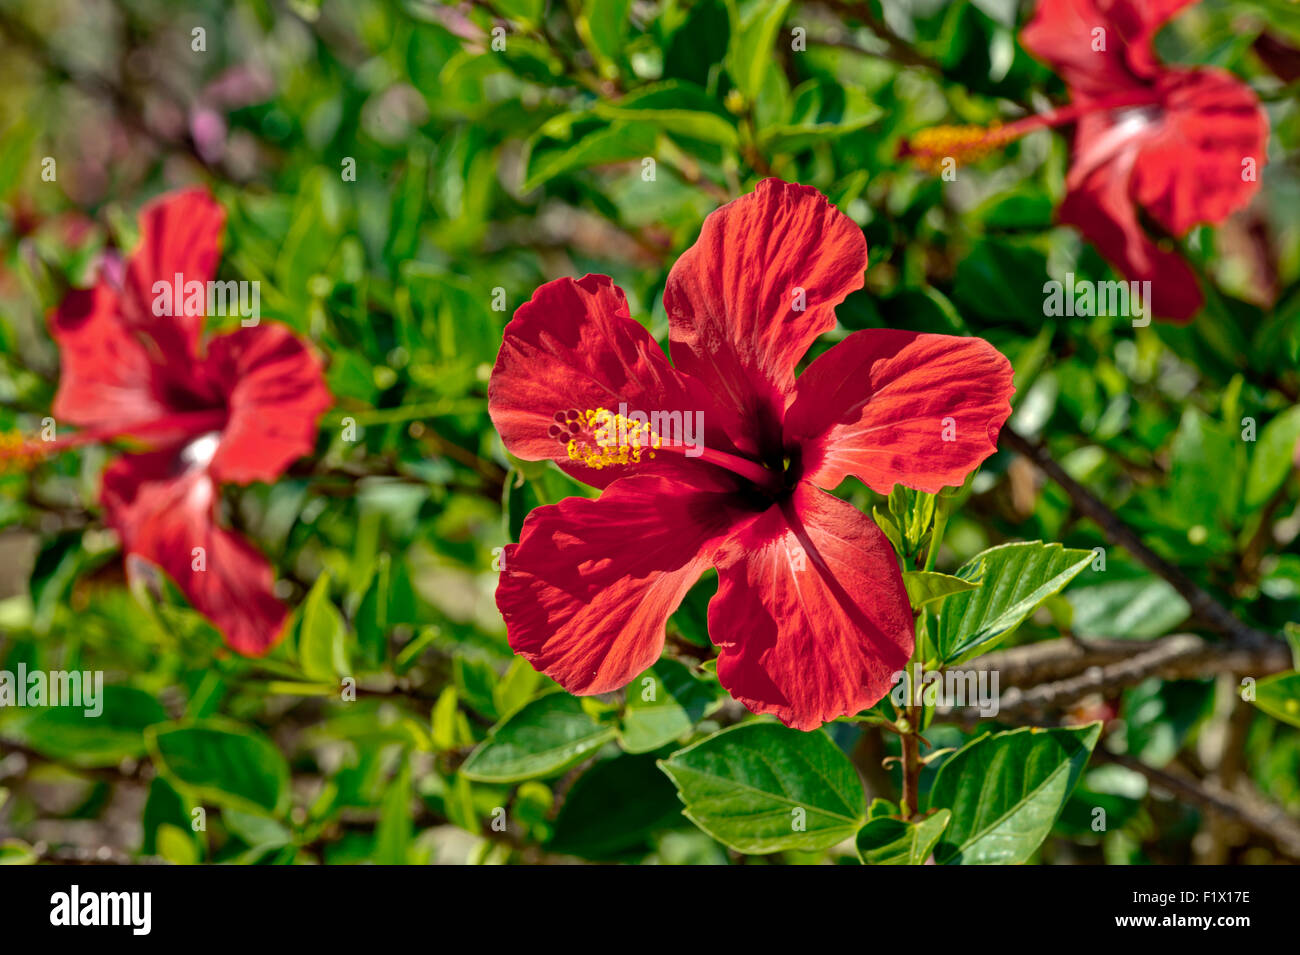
{"type": "Point", "coordinates": [236, 409]}
{"type": "Point", "coordinates": [1180, 145]}
{"type": "Point", "coordinates": [811, 619]}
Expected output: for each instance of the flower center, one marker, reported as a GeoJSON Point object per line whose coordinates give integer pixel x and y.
{"type": "Point", "coordinates": [599, 438]}
{"type": "Point", "coordinates": [200, 452]}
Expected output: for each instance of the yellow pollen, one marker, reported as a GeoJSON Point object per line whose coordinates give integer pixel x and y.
{"type": "Point", "coordinates": [930, 148]}
{"type": "Point", "coordinates": [18, 454]}
{"type": "Point", "coordinates": [600, 438]}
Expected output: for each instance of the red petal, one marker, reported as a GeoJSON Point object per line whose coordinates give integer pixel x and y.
{"type": "Point", "coordinates": [180, 233]}
{"type": "Point", "coordinates": [1189, 169]}
{"type": "Point", "coordinates": [573, 347]}
{"type": "Point", "coordinates": [587, 590]}
{"type": "Point", "coordinates": [162, 514]}
{"type": "Point", "coordinates": [275, 396]}
{"type": "Point", "coordinates": [814, 642]}
{"type": "Point", "coordinates": [1099, 202]}
{"type": "Point", "coordinates": [1137, 23]}
{"type": "Point", "coordinates": [731, 300]}
{"type": "Point", "coordinates": [878, 404]}
{"type": "Point", "coordinates": [106, 379]}
{"type": "Point", "coordinates": [1061, 35]}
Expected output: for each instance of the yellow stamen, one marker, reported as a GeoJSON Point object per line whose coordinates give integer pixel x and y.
{"type": "Point", "coordinates": [931, 149]}
{"type": "Point", "coordinates": [599, 438]}
{"type": "Point", "coordinates": [19, 454]}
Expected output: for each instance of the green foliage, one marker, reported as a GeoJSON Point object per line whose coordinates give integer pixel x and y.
{"type": "Point", "coordinates": [1006, 790]}
{"type": "Point", "coordinates": [392, 723]}
{"type": "Point", "coordinates": [762, 788]}
{"type": "Point", "coordinates": [1013, 580]}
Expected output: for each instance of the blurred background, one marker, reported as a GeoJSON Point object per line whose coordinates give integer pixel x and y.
{"type": "Point", "coordinates": [388, 167]}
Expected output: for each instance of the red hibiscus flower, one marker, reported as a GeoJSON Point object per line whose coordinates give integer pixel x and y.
{"type": "Point", "coordinates": [1183, 145]}
{"type": "Point", "coordinates": [810, 619]}
{"type": "Point", "coordinates": [238, 409]}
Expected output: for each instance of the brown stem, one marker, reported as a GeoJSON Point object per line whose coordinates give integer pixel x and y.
{"type": "Point", "coordinates": [1107, 669]}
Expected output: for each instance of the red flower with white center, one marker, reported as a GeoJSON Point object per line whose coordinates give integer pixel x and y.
{"type": "Point", "coordinates": [1183, 145]}
{"type": "Point", "coordinates": [237, 410]}
{"type": "Point", "coordinates": [811, 619]}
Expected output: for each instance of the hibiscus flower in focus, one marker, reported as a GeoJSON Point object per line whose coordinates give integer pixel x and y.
{"type": "Point", "coordinates": [237, 408]}
{"type": "Point", "coordinates": [1179, 145]}
{"type": "Point", "coordinates": [811, 619]}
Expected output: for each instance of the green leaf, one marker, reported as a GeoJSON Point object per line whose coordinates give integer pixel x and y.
{"type": "Point", "coordinates": [1205, 477]}
{"type": "Point", "coordinates": [613, 807]}
{"type": "Point", "coordinates": [260, 832]}
{"type": "Point", "coordinates": [664, 703]}
{"type": "Point", "coordinates": [16, 852]}
{"type": "Point", "coordinates": [371, 620]}
{"type": "Point", "coordinates": [523, 11]}
{"type": "Point", "coordinates": [887, 841]}
{"type": "Point", "coordinates": [117, 733]}
{"type": "Point", "coordinates": [222, 762]}
{"type": "Point", "coordinates": [476, 679]}
{"type": "Point", "coordinates": [517, 686]}
{"type": "Point", "coordinates": [760, 788]}
{"type": "Point", "coordinates": [1136, 609]}
{"type": "Point", "coordinates": [322, 653]}
{"type": "Point", "coordinates": [1005, 791]}
{"type": "Point", "coordinates": [1279, 697]}
{"type": "Point", "coordinates": [886, 524]}
{"type": "Point", "coordinates": [677, 108]}
{"type": "Point", "coordinates": [176, 845]}
{"type": "Point", "coordinates": [1014, 579]}
{"type": "Point", "coordinates": [603, 27]}
{"type": "Point", "coordinates": [926, 586]}
{"type": "Point", "coordinates": [394, 832]}
{"type": "Point", "coordinates": [447, 724]}
{"type": "Point", "coordinates": [820, 112]}
{"type": "Point", "coordinates": [164, 805]}
{"type": "Point", "coordinates": [546, 737]}
{"type": "Point", "coordinates": [619, 142]}
{"type": "Point", "coordinates": [753, 42]}
{"type": "Point", "coordinates": [1272, 458]}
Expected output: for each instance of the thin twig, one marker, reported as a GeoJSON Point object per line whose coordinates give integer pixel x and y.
{"type": "Point", "coordinates": [1179, 656]}
{"type": "Point", "coordinates": [1216, 616]}
{"type": "Point", "coordinates": [1242, 806]}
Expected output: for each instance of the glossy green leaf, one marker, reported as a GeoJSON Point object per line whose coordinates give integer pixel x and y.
{"type": "Point", "coordinates": [925, 586]}
{"type": "Point", "coordinates": [222, 762]}
{"type": "Point", "coordinates": [887, 841]}
{"type": "Point", "coordinates": [760, 787]}
{"type": "Point", "coordinates": [613, 807]}
{"type": "Point", "coordinates": [322, 649]}
{"type": "Point", "coordinates": [662, 704]}
{"type": "Point", "coordinates": [619, 142]}
{"type": "Point", "coordinates": [1005, 792]}
{"type": "Point", "coordinates": [1014, 579]}
{"type": "Point", "coordinates": [543, 738]}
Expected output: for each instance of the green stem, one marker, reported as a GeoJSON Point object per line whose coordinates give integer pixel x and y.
{"type": "Point", "coordinates": [936, 535]}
